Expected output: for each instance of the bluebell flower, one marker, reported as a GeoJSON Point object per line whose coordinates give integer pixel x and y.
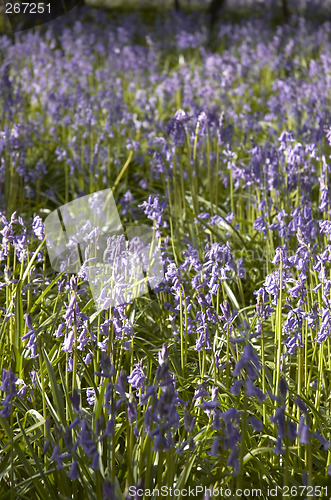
{"type": "Point", "coordinates": [110, 428]}
{"type": "Point", "coordinates": [90, 394]}
{"type": "Point", "coordinates": [88, 444]}
{"type": "Point", "coordinates": [73, 473]}
{"type": "Point", "coordinates": [279, 419]}
{"type": "Point", "coordinates": [74, 423]}
{"type": "Point", "coordinates": [208, 405]}
{"type": "Point", "coordinates": [59, 457]}
{"type": "Point", "coordinates": [200, 392]}
{"type": "Point", "coordinates": [236, 387]}
{"type": "Point", "coordinates": [214, 449]}
{"type": "Point", "coordinates": [38, 227]}
{"type": "Point", "coordinates": [202, 330]}
{"type": "Point", "coordinates": [202, 123]}
{"type": "Point", "coordinates": [303, 431]}
{"type": "Point", "coordinates": [148, 418]}
{"type": "Point", "coordinates": [75, 400]}
{"type": "Point", "coordinates": [233, 460]}
{"type": "Point", "coordinates": [95, 462]}
{"type": "Point", "coordinates": [261, 225]}
{"type": "Point", "coordinates": [256, 423]}
{"type": "Point", "coordinates": [291, 430]}
{"type": "Point", "coordinates": [46, 446]}
{"type": "Point", "coordinates": [121, 382]}
{"type": "Point", "coordinates": [278, 449]}
{"type": "Point", "coordinates": [228, 317]}
{"type": "Point", "coordinates": [284, 138]}
{"type": "Point", "coordinates": [189, 421]}
{"type": "Point", "coordinates": [325, 227]}
{"type": "Point", "coordinates": [229, 414]}
{"type": "Point", "coordinates": [70, 364]}
{"type": "Point", "coordinates": [249, 361]}
{"type": "Point", "coordinates": [70, 312]}
{"type": "Point", "coordinates": [271, 285]}
{"type": "Point", "coordinates": [163, 411]}
{"type": "Point", "coordinates": [68, 341]}
{"type": "Point", "coordinates": [252, 390]}
{"type": "Point", "coordinates": [88, 358]}
{"type": "Point", "coordinates": [5, 412]}
{"type": "Point", "coordinates": [325, 325]}
{"type": "Point", "coordinates": [176, 127]}
{"type": "Point", "coordinates": [108, 490]}
{"type": "Point", "coordinates": [132, 409]}
{"type": "Point", "coordinates": [137, 377]}
{"type": "Point", "coordinates": [298, 401]}
{"type": "Point", "coordinates": [150, 391]}
{"type": "Point", "coordinates": [283, 387]}
{"type": "Point", "coordinates": [31, 335]}
{"type": "Point", "coordinates": [58, 332]}
{"type": "Point", "coordinates": [326, 444]}
{"type": "Point", "coordinates": [8, 385]}
{"type": "Point", "coordinates": [107, 369]}
{"type": "Point", "coordinates": [154, 209]}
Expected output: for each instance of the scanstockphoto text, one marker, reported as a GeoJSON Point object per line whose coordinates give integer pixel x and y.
{"type": "Point", "coordinates": [226, 492]}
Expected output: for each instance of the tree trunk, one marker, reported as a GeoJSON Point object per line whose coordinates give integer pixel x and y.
{"type": "Point", "coordinates": [177, 6]}
{"type": "Point", "coordinates": [214, 7]}
{"type": "Point", "coordinates": [285, 8]}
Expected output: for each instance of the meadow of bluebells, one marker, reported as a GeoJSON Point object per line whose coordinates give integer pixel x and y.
{"type": "Point", "coordinates": [221, 375]}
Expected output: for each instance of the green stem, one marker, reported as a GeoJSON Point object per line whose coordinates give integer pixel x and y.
{"type": "Point", "coordinates": [279, 328]}
{"type": "Point", "coordinates": [242, 447]}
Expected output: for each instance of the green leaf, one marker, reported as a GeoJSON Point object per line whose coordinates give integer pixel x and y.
{"type": "Point", "coordinates": [36, 461]}
{"type": "Point", "coordinates": [56, 389]}
{"type": "Point", "coordinates": [24, 460]}
{"type": "Point", "coordinates": [18, 315]}
{"type": "Point", "coordinates": [45, 292]}
{"type": "Point", "coordinates": [118, 492]}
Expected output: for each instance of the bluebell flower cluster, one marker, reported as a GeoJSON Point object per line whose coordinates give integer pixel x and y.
{"type": "Point", "coordinates": [233, 183]}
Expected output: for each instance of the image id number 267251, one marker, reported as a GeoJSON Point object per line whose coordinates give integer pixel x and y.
{"type": "Point", "coordinates": [27, 8]}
